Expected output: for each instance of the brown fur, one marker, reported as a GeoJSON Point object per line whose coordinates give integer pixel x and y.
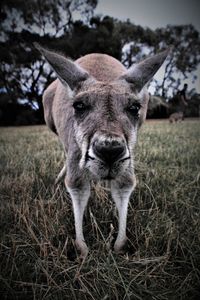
{"type": "Point", "coordinates": [113, 104]}
{"type": "Point", "coordinates": [102, 67]}
{"type": "Point", "coordinates": [176, 117]}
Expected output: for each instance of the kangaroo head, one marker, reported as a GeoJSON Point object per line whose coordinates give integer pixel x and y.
{"type": "Point", "coordinates": [104, 114]}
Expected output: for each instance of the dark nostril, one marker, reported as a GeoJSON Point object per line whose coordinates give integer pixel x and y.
{"type": "Point", "coordinates": [109, 151]}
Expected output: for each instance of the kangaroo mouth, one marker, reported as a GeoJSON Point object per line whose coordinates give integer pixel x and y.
{"type": "Point", "coordinates": [109, 174]}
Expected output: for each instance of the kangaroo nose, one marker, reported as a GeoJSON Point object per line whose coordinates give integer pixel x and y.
{"type": "Point", "coordinates": [109, 151]}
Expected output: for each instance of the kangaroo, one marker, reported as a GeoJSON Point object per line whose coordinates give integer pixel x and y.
{"type": "Point", "coordinates": [96, 107]}
{"type": "Point", "coordinates": [176, 117]}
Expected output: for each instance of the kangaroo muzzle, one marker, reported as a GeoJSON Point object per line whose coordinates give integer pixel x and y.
{"type": "Point", "coordinates": [109, 150]}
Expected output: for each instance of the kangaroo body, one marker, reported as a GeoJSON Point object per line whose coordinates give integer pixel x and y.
{"type": "Point", "coordinates": [96, 107]}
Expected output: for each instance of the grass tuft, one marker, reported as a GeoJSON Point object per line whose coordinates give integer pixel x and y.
{"type": "Point", "coordinates": [38, 258]}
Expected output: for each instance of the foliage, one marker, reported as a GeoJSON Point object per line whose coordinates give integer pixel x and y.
{"type": "Point", "coordinates": [24, 74]}
{"type": "Point", "coordinates": [157, 108]}
{"type": "Point", "coordinates": [185, 54]}
{"type": "Point", "coordinates": [192, 109]}
{"type": "Point", "coordinates": [98, 37]}
{"type": "Point", "coordinates": [162, 260]}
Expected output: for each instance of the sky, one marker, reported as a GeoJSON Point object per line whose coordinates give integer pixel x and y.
{"type": "Point", "coordinates": [154, 14]}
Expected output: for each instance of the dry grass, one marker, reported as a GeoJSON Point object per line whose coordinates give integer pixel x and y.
{"type": "Point", "coordinates": [38, 259]}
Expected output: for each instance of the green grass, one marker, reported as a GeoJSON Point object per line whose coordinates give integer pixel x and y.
{"type": "Point", "coordinates": [38, 259]}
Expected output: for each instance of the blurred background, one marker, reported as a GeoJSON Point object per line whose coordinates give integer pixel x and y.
{"type": "Point", "coordinates": [128, 30]}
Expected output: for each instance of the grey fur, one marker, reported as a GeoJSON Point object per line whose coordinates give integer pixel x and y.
{"type": "Point", "coordinates": [108, 90]}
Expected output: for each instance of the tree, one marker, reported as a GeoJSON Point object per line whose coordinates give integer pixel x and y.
{"type": "Point", "coordinates": [185, 56]}
{"type": "Point", "coordinates": [99, 36]}
{"type": "Point", "coordinates": [139, 42]}
{"type": "Point", "coordinates": [23, 72]}
{"type": "Point", "coordinates": [136, 42]}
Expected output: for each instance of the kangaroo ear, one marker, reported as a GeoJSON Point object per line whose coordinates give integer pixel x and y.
{"type": "Point", "coordinates": [67, 71]}
{"type": "Point", "coordinates": [139, 74]}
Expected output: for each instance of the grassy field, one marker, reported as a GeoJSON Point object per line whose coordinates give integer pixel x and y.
{"type": "Point", "coordinates": [38, 259]}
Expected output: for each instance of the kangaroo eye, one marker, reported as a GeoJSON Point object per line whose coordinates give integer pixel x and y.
{"type": "Point", "coordinates": [80, 107]}
{"type": "Point", "coordinates": [134, 109]}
